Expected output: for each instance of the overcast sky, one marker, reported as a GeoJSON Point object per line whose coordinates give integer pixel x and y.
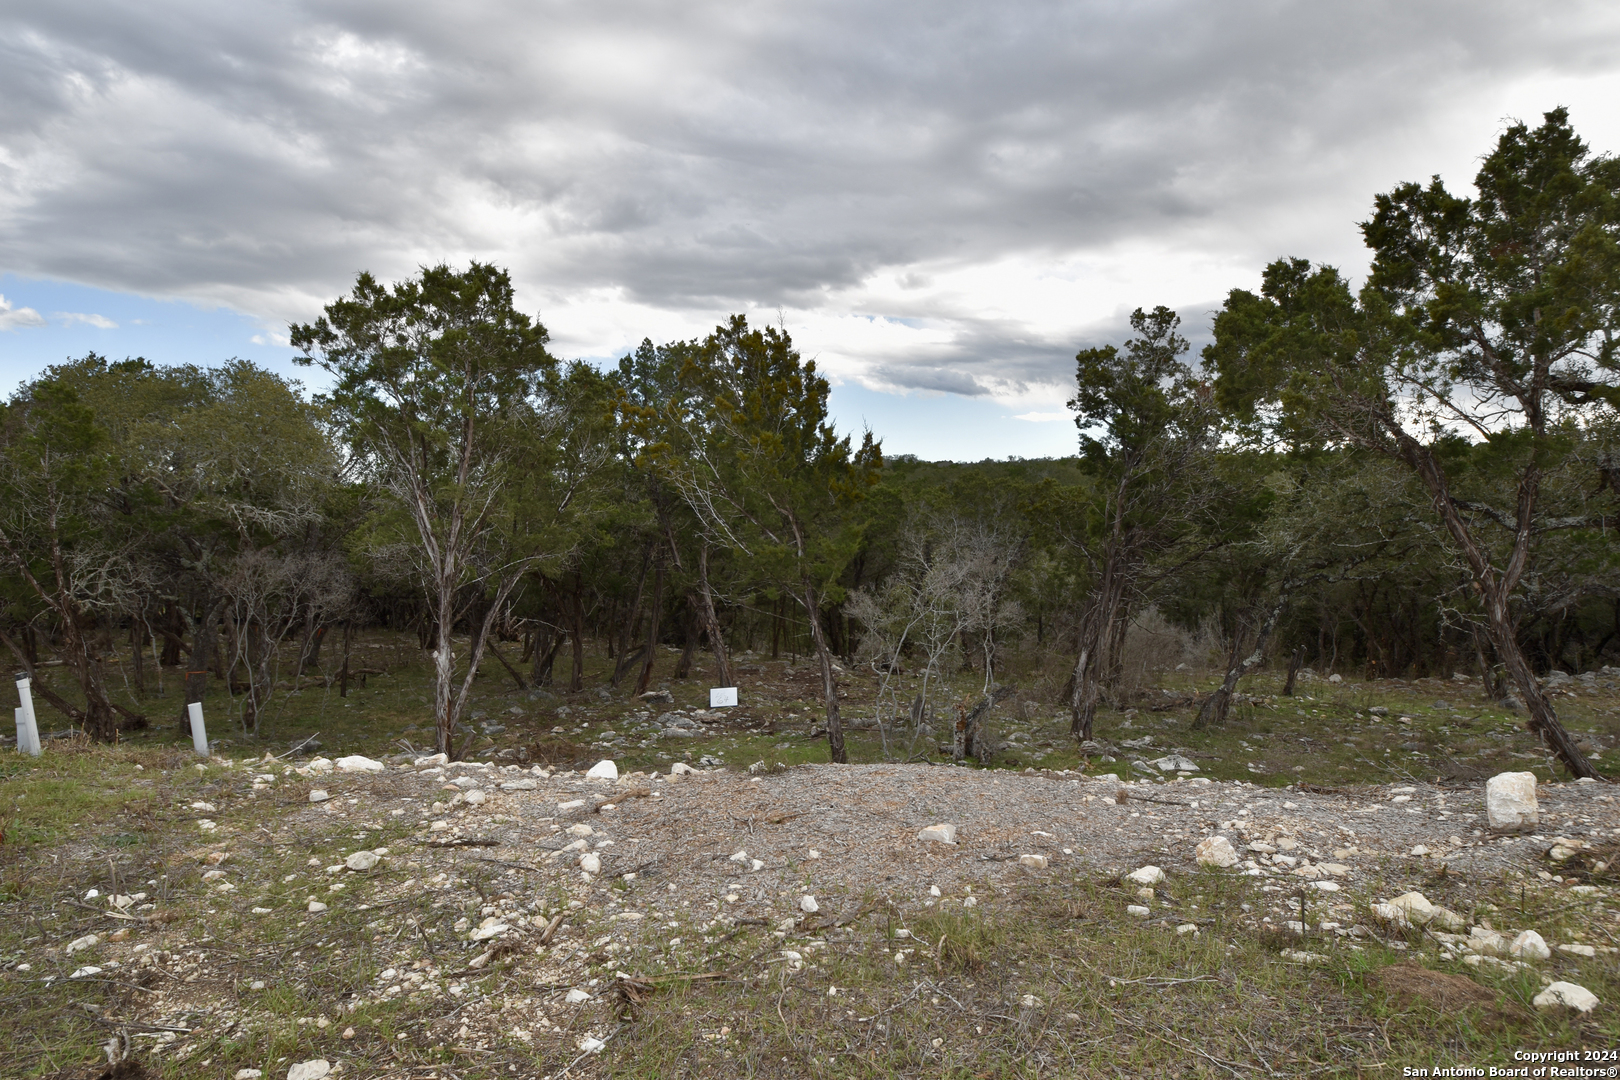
{"type": "Point", "coordinates": [942, 201]}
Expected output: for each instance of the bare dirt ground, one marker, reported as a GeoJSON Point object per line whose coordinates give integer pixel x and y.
{"type": "Point", "coordinates": [786, 918]}
{"type": "Point", "coordinates": [574, 892]}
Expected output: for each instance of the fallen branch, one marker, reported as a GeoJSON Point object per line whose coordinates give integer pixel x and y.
{"type": "Point", "coordinates": [299, 747]}
{"type": "Point", "coordinates": [513, 865]}
{"type": "Point", "coordinates": [1230, 1066]}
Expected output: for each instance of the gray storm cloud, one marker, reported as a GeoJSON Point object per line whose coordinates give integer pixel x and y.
{"type": "Point", "coordinates": [700, 158]}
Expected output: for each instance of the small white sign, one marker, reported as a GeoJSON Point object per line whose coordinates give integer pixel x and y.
{"type": "Point", "coordinates": [722, 697]}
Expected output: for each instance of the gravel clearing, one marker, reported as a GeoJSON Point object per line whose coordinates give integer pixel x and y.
{"type": "Point", "coordinates": [863, 821]}
{"type": "Point", "coordinates": [508, 906]}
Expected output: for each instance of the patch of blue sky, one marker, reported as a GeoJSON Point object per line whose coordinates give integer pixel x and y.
{"type": "Point", "coordinates": [951, 427]}
{"type": "Point", "coordinates": [44, 322]}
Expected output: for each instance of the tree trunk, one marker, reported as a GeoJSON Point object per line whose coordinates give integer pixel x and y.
{"type": "Point", "coordinates": [627, 659]}
{"type": "Point", "coordinates": [260, 663]}
{"type": "Point", "coordinates": [309, 653]}
{"type": "Point", "coordinates": [195, 685]}
{"type": "Point", "coordinates": [632, 619]}
{"type": "Point", "coordinates": [1212, 713]}
{"type": "Point", "coordinates": [137, 652]}
{"type": "Point", "coordinates": [776, 629]}
{"type": "Point", "coordinates": [1082, 706]}
{"type": "Point", "coordinates": [1097, 632]}
{"type": "Point", "coordinates": [445, 713]}
{"type": "Point", "coordinates": [343, 672]}
{"type": "Point", "coordinates": [689, 640]}
{"type": "Point", "coordinates": [173, 637]}
{"type": "Point", "coordinates": [1294, 663]}
{"type": "Point", "coordinates": [538, 646]}
{"type": "Point", "coordinates": [495, 651]}
{"type": "Point", "coordinates": [1543, 720]}
{"type": "Point", "coordinates": [1494, 690]}
{"type": "Point", "coordinates": [233, 652]}
{"type": "Point", "coordinates": [541, 674]}
{"type": "Point", "coordinates": [576, 680]}
{"type": "Point", "coordinates": [651, 653]}
{"type": "Point", "coordinates": [205, 653]}
{"type": "Point", "coordinates": [100, 721]}
{"type": "Point", "coordinates": [477, 608]}
{"type": "Point", "coordinates": [969, 738]}
{"type": "Point", "coordinates": [52, 698]}
{"type": "Point", "coordinates": [1495, 587]}
{"type": "Point", "coordinates": [829, 687]}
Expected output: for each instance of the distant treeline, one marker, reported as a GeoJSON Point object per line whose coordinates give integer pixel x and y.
{"type": "Point", "coordinates": [1418, 477]}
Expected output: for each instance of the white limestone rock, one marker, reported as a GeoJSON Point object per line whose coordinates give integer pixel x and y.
{"type": "Point", "coordinates": [1037, 862]}
{"type": "Point", "coordinates": [1510, 801]}
{"type": "Point", "coordinates": [1529, 945]}
{"type": "Point", "coordinates": [603, 770]}
{"type": "Point", "coordinates": [1447, 919]}
{"type": "Point", "coordinates": [1566, 995]}
{"type": "Point", "coordinates": [1146, 875]}
{"type": "Point", "coordinates": [362, 860]}
{"type": "Point", "coordinates": [313, 1069]}
{"type": "Point", "coordinates": [1215, 851]}
{"type": "Point", "coordinates": [1415, 906]}
{"type": "Point", "coordinates": [359, 763]}
{"type": "Point", "coordinates": [943, 833]}
{"type": "Point", "coordinates": [1564, 848]}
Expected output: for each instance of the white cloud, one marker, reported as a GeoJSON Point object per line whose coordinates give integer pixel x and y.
{"type": "Point", "coordinates": [100, 322]}
{"type": "Point", "coordinates": [16, 318]}
{"type": "Point", "coordinates": [1044, 417]}
{"type": "Point", "coordinates": [940, 196]}
{"type": "Point", "coordinates": [272, 337]}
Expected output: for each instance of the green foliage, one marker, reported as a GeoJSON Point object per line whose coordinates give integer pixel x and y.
{"type": "Point", "coordinates": [456, 478]}
{"type": "Point", "coordinates": [1138, 397]}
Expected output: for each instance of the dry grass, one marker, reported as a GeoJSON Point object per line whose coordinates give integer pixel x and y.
{"type": "Point", "coordinates": [1048, 979]}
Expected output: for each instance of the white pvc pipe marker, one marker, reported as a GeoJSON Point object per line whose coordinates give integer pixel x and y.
{"type": "Point", "coordinates": [23, 744]}
{"type": "Point", "coordinates": [199, 734]}
{"type": "Point", "coordinates": [27, 723]}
